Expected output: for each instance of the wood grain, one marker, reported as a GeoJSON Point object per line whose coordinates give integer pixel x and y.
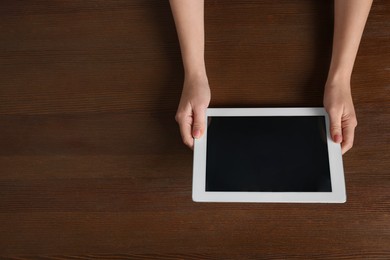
{"type": "Point", "coordinates": [91, 161]}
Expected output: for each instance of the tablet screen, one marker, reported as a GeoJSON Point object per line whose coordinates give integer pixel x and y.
{"type": "Point", "coordinates": [267, 154]}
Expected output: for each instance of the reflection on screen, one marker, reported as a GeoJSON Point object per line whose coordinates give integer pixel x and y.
{"type": "Point", "coordinates": [274, 154]}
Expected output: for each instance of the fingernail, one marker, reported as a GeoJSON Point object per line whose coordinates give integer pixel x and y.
{"type": "Point", "coordinates": [196, 133]}
{"type": "Point", "coordinates": [337, 138]}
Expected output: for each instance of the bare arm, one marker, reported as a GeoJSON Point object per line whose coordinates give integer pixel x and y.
{"type": "Point", "coordinates": [189, 20]}
{"type": "Point", "coordinates": [195, 98]}
{"type": "Point", "coordinates": [350, 19]}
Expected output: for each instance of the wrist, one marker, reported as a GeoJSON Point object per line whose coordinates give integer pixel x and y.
{"type": "Point", "coordinates": [339, 72]}
{"type": "Point", "coordinates": [339, 78]}
{"type": "Point", "coordinates": [337, 87]}
{"type": "Point", "coordinates": [196, 75]}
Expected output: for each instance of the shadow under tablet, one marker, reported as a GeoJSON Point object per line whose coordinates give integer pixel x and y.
{"type": "Point", "coordinates": [267, 154]}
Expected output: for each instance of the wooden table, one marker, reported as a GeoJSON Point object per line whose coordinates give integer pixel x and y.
{"type": "Point", "coordinates": [91, 160]}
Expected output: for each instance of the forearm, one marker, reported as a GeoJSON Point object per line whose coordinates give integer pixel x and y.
{"type": "Point", "coordinates": [189, 20]}
{"type": "Point", "coordinates": [349, 20]}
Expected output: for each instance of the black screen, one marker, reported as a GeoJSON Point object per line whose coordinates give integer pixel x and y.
{"type": "Point", "coordinates": [267, 154]}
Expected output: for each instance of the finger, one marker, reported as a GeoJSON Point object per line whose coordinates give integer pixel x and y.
{"type": "Point", "coordinates": [348, 137]}
{"type": "Point", "coordinates": [185, 131]}
{"type": "Point", "coordinates": [184, 119]}
{"type": "Point", "coordinates": [335, 126]}
{"type": "Point", "coordinates": [198, 126]}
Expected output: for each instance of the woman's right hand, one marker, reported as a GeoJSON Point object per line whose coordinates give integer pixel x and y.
{"type": "Point", "coordinates": [191, 113]}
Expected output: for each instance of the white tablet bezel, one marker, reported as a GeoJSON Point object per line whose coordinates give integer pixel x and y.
{"type": "Point", "coordinates": [199, 193]}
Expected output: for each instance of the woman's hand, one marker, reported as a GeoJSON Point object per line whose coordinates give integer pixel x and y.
{"type": "Point", "coordinates": [339, 105]}
{"type": "Point", "coordinates": [350, 16]}
{"type": "Point", "coordinates": [191, 113]}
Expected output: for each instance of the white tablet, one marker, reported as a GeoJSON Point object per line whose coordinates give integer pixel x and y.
{"type": "Point", "coordinates": [267, 155]}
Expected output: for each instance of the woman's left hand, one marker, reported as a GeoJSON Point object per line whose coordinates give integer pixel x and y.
{"type": "Point", "coordinates": [339, 105]}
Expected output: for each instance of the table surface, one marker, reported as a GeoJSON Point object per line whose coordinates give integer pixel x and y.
{"type": "Point", "coordinates": [91, 162]}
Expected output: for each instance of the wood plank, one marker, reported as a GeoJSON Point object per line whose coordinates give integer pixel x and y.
{"type": "Point", "coordinates": [91, 160]}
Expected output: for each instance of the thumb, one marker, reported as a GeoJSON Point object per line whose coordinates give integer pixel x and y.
{"type": "Point", "coordinates": [198, 123]}
{"type": "Point", "coordinates": [335, 126]}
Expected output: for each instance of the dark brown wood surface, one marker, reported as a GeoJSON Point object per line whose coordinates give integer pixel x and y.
{"type": "Point", "coordinates": [91, 160]}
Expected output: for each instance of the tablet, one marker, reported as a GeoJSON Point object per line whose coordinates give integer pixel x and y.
{"type": "Point", "coordinates": [267, 155]}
